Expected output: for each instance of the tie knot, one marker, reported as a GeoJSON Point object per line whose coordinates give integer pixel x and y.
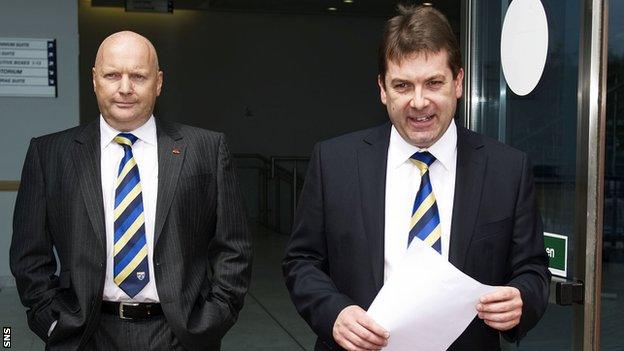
{"type": "Point", "coordinates": [125, 139]}
{"type": "Point", "coordinates": [423, 159]}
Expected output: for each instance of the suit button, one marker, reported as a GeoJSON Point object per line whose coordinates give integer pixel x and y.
{"type": "Point", "coordinates": [157, 264]}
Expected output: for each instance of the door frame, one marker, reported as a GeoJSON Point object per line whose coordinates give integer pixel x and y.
{"type": "Point", "coordinates": [591, 120]}
{"type": "Point", "coordinates": [590, 165]}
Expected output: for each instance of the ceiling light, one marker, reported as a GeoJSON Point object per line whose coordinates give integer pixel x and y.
{"type": "Point", "coordinates": [427, 4]}
{"type": "Point", "coordinates": [348, 1]}
{"type": "Point", "coordinates": [332, 9]}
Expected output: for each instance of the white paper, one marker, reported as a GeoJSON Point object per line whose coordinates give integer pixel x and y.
{"type": "Point", "coordinates": [427, 303]}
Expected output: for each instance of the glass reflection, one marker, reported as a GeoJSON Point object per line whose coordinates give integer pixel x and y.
{"type": "Point", "coordinates": [612, 308]}
{"type": "Point", "coordinates": [543, 124]}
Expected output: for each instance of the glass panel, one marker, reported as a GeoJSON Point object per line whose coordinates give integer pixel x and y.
{"type": "Point", "coordinates": [612, 308]}
{"type": "Point", "coordinates": [542, 124]}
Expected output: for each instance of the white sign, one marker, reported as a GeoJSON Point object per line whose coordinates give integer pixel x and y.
{"type": "Point", "coordinates": [28, 67]}
{"type": "Point", "coordinates": [524, 45]}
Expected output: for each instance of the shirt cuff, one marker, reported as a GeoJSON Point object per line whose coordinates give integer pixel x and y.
{"type": "Point", "coordinates": [52, 327]}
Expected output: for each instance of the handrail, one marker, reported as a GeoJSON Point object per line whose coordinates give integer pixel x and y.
{"type": "Point", "coordinates": [295, 176]}
{"type": "Point", "coordinates": [252, 156]}
{"type": "Point", "coordinates": [271, 169]}
{"type": "Point", "coordinates": [9, 185]}
{"type": "Point", "coordinates": [275, 159]}
{"type": "Point", "coordinates": [276, 170]}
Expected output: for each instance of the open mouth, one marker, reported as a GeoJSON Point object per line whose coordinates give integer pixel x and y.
{"type": "Point", "coordinates": [422, 119]}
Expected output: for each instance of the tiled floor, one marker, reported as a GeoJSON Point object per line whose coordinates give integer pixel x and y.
{"type": "Point", "coordinates": [267, 322]}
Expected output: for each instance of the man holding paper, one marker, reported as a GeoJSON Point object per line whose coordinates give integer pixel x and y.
{"type": "Point", "coordinates": [369, 194]}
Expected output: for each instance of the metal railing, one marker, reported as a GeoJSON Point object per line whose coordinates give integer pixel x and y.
{"type": "Point", "coordinates": [295, 184]}
{"type": "Point", "coordinates": [267, 182]}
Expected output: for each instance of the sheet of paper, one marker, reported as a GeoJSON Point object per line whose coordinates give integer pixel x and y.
{"type": "Point", "coordinates": [427, 303]}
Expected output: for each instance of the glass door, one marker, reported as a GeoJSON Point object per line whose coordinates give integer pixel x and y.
{"type": "Point", "coordinates": [556, 124]}
{"type": "Point", "coordinates": [612, 306]}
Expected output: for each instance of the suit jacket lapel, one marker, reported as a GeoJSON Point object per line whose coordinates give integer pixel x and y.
{"type": "Point", "coordinates": [471, 164]}
{"type": "Point", "coordinates": [88, 168]}
{"type": "Point", "coordinates": [372, 159]}
{"type": "Point", "coordinates": [171, 153]}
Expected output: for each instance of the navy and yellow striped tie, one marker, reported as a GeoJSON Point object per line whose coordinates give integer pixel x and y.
{"type": "Point", "coordinates": [131, 272]}
{"type": "Point", "coordinates": [425, 222]}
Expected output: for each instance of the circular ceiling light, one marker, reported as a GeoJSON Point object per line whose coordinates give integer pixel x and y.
{"type": "Point", "coordinates": [524, 45]}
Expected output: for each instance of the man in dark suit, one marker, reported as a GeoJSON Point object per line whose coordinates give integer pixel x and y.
{"type": "Point", "coordinates": [368, 194]}
{"type": "Point", "coordinates": [144, 216]}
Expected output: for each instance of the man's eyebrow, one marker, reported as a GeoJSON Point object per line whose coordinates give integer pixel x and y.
{"type": "Point", "coordinates": [435, 76]}
{"type": "Point", "coordinates": [394, 80]}
{"type": "Point", "coordinates": [438, 76]}
{"type": "Point", "coordinates": [115, 69]}
{"type": "Point", "coordinates": [107, 68]}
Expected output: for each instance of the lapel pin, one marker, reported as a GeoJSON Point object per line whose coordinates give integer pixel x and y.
{"type": "Point", "coordinates": [175, 151]}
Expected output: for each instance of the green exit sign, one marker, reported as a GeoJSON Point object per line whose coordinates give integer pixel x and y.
{"type": "Point", "coordinates": [557, 250]}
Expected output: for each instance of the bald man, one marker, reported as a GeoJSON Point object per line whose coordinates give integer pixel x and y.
{"type": "Point", "coordinates": [144, 216]}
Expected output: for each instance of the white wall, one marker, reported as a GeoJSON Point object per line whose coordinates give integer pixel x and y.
{"type": "Point", "coordinates": [24, 118]}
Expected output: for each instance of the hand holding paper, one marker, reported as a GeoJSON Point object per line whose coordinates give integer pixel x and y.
{"type": "Point", "coordinates": [502, 308]}
{"type": "Point", "coordinates": [355, 330]}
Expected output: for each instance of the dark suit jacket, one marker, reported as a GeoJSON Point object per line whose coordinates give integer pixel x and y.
{"type": "Point", "coordinates": [202, 250]}
{"type": "Point", "coordinates": [335, 256]}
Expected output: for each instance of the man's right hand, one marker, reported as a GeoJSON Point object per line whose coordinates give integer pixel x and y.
{"type": "Point", "coordinates": [354, 330]}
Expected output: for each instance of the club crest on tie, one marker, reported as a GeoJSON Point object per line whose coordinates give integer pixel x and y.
{"type": "Point", "coordinates": [140, 275]}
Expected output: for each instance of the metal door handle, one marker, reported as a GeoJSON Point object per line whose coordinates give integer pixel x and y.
{"type": "Point", "coordinates": [567, 293]}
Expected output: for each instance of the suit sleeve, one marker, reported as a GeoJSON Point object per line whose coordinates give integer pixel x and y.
{"type": "Point", "coordinates": [306, 266]}
{"type": "Point", "coordinates": [230, 250]}
{"type": "Point", "coordinates": [32, 257]}
{"type": "Point", "coordinates": [528, 259]}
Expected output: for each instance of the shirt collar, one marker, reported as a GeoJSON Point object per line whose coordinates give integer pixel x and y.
{"type": "Point", "coordinates": [145, 133]}
{"type": "Point", "coordinates": [443, 150]}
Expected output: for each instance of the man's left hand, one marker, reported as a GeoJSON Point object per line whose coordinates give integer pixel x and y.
{"type": "Point", "coordinates": [502, 308]}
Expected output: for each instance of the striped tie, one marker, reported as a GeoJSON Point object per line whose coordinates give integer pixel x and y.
{"type": "Point", "coordinates": [131, 271]}
{"type": "Point", "coordinates": [425, 222]}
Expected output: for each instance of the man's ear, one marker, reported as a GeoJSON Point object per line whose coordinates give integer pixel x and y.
{"type": "Point", "coordinates": [159, 82]}
{"type": "Point", "coordinates": [459, 83]}
{"type": "Point", "coordinates": [93, 74]}
{"type": "Point", "coordinates": [382, 89]}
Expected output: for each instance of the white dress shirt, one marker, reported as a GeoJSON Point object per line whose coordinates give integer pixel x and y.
{"type": "Point", "coordinates": [402, 183]}
{"type": "Point", "coordinates": [145, 153]}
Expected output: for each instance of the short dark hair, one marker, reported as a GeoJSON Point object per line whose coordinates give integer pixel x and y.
{"type": "Point", "coordinates": [418, 29]}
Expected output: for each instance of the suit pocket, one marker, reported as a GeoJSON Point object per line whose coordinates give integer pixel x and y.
{"type": "Point", "coordinates": [68, 301]}
{"type": "Point", "coordinates": [206, 289]}
{"type": "Point", "coordinates": [66, 298]}
{"type": "Point", "coordinates": [491, 229]}
{"type": "Point", "coordinates": [65, 280]}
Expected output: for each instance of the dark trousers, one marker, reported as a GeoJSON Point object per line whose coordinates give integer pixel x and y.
{"type": "Point", "coordinates": [114, 333]}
